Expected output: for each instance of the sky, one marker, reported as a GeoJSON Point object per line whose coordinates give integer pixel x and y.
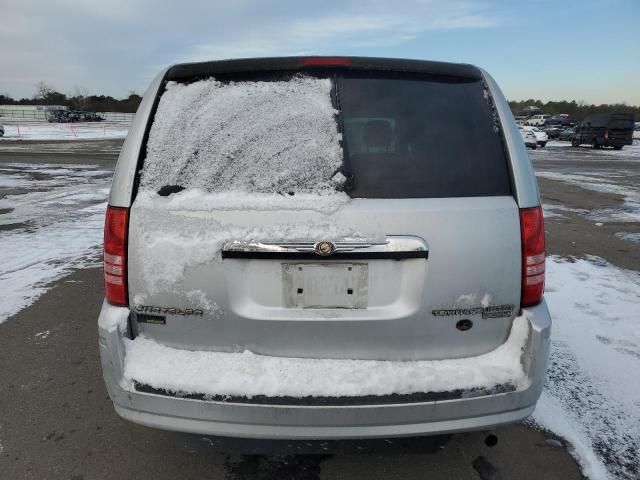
{"type": "Point", "coordinates": [583, 50]}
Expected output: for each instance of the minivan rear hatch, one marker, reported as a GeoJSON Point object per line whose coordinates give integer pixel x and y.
{"type": "Point", "coordinates": [325, 210]}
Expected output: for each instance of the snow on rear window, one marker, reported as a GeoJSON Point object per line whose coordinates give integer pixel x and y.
{"type": "Point", "coordinates": [255, 136]}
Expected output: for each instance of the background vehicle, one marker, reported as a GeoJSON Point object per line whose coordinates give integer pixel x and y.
{"type": "Point", "coordinates": [553, 131]}
{"type": "Point", "coordinates": [541, 137]}
{"type": "Point", "coordinates": [636, 130]}
{"type": "Point", "coordinates": [605, 130]}
{"type": "Point", "coordinates": [538, 120]}
{"type": "Point", "coordinates": [57, 116]}
{"type": "Point", "coordinates": [1, 130]}
{"type": "Point", "coordinates": [90, 117]}
{"type": "Point", "coordinates": [220, 239]}
{"type": "Point", "coordinates": [561, 120]}
{"type": "Point", "coordinates": [528, 137]}
{"type": "Point", "coordinates": [74, 116]}
{"type": "Point", "coordinates": [65, 116]}
{"type": "Point", "coordinates": [567, 134]}
{"type": "Point", "coordinates": [529, 111]}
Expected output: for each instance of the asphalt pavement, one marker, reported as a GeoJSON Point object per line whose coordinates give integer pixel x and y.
{"type": "Point", "coordinates": [57, 422]}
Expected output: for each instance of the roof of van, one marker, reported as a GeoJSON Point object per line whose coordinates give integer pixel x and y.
{"type": "Point", "coordinates": [185, 71]}
{"type": "Point", "coordinates": [604, 118]}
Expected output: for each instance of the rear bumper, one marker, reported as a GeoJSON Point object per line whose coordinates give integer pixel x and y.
{"type": "Point", "coordinates": [321, 422]}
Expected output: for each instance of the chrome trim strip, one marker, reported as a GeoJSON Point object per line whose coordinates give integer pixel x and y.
{"type": "Point", "coordinates": [394, 247]}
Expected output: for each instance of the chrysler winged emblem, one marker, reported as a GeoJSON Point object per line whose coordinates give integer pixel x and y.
{"type": "Point", "coordinates": [324, 248]}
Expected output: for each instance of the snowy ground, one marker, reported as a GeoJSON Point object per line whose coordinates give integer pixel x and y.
{"type": "Point", "coordinates": [592, 396]}
{"type": "Point", "coordinates": [39, 130]}
{"type": "Point", "coordinates": [606, 183]}
{"type": "Point", "coordinates": [50, 224]}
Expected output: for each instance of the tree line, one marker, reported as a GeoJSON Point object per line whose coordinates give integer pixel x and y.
{"type": "Point", "coordinates": [78, 100]}
{"type": "Point", "coordinates": [577, 110]}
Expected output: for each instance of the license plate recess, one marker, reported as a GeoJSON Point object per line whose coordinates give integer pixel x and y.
{"type": "Point", "coordinates": [325, 285]}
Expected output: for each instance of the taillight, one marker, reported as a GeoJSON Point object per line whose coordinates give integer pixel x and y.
{"type": "Point", "coordinates": [532, 231]}
{"type": "Point", "coordinates": [606, 133]}
{"type": "Point", "coordinates": [115, 255]}
{"type": "Point", "coordinates": [325, 61]}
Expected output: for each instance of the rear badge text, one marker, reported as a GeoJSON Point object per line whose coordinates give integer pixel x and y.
{"type": "Point", "coordinates": [168, 310]}
{"type": "Point", "coordinates": [495, 311]}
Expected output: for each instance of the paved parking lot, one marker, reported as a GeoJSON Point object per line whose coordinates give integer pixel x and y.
{"type": "Point", "coordinates": [57, 421]}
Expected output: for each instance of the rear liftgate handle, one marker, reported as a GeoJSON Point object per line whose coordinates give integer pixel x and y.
{"type": "Point", "coordinates": [395, 247]}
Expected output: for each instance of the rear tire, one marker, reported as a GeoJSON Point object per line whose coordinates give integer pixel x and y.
{"type": "Point", "coordinates": [617, 147]}
{"type": "Point", "coordinates": [543, 144]}
{"type": "Point", "coordinates": [594, 144]}
{"type": "Point", "coordinates": [533, 147]}
{"type": "Point", "coordinates": [575, 142]}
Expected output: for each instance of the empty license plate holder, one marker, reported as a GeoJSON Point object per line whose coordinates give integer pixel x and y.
{"type": "Point", "coordinates": [323, 285]}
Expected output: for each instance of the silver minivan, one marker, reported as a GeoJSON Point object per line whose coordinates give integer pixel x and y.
{"type": "Point", "coordinates": [324, 248]}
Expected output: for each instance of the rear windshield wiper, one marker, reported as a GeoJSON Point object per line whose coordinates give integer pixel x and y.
{"type": "Point", "coordinates": [167, 190]}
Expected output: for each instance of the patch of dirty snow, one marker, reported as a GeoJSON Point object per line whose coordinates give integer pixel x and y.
{"type": "Point", "coordinates": [592, 395]}
{"type": "Point", "coordinates": [629, 236]}
{"type": "Point", "coordinates": [15, 131]}
{"type": "Point", "coordinates": [551, 415]}
{"type": "Point", "coordinates": [31, 260]}
{"type": "Point", "coordinates": [603, 183]}
{"type": "Point", "coordinates": [552, 210]}
{"type": "Point", "coordinates": [267, 137]}
{"type": "Point", "coordinates": [56, 228]}
{"type": "Point", "coordinates": [248, 374]}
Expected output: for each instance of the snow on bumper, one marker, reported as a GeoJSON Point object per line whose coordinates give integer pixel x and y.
{"type": "Point", "coordinates": [519, 362]}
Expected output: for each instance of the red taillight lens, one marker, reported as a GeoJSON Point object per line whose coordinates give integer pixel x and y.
{"type": "Point", "coordinates": [325, 61]}
{"type": "Point", "coordinates": [532, 230]}
{"type": "Point", "coordinates": [115, 255]}
{"type": "Point", "coordinates": [606, 134]}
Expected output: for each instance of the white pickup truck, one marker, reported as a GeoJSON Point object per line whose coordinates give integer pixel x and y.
{"type": "Point", "coordinates": [538, 120]}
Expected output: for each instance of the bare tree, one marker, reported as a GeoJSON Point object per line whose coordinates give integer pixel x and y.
{"type": "Point", "coordinates": [43, 90]}
{"type": "Point", "coordinates": [79, 96]}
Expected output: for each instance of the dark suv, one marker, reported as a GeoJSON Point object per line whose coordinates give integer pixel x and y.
{"type": "Point", "coordinates": [605, 130]}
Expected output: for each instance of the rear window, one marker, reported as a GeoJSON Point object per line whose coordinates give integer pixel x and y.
{"type": "Point", "coordinates": [275, 136]}
{"type": "Point", "coordinates": [370, 135]}
{"type": "Point", "coordinates": [416, 137]}
{"type": "Point", "coordinates": [621, 123]}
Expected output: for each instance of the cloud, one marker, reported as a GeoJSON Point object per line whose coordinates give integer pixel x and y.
{"type": "Point", "coordinates": [112, 47]}
{"type": "Point", "coordinates": [381, 26]}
